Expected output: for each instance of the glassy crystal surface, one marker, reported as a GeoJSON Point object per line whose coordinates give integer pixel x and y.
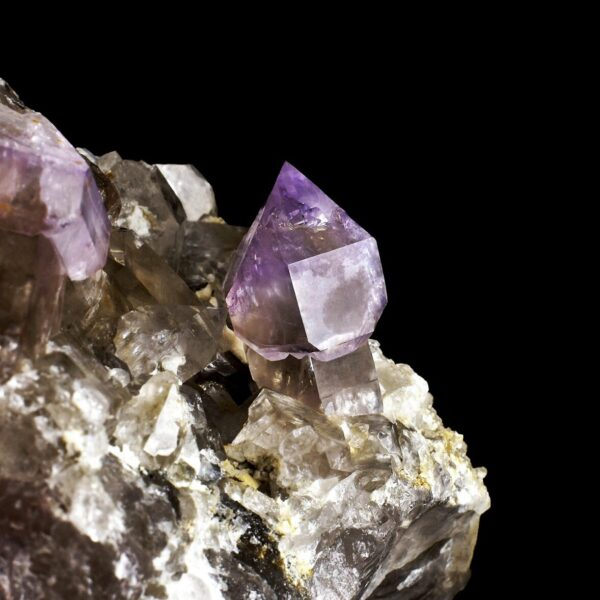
{"type": "Point", "coordinates": [161, 282]}
{"type": "Point", "coordinates": [346, 385]}
{"type": "Point", "coordinates": [145, 208]}
{"type": "Point", "coordinates": [92, 309]}
{"type": "Point", "coordinates": [9, 97]}
{"type": "Point", "coordinates": [46, 188]}
{"type": "Point", "coordinates": [195, 195]}
{"type": "Point", "coordinates": [307, 279]}
{"type": "Point", "coordinates": [169, 338]}
{"type": "Point", "coordinates": [31, 286]}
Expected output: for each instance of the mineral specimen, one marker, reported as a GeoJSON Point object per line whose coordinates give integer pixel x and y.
{"type": "Point", "coordinates": [139, 460]}
{"type": "Point", "coordinates": [307, 279]}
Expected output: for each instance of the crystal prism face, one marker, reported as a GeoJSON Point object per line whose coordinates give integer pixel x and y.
{"type": "Point", "coordinates": [145, 208]}
{"type": "Point", "coordinates": [170, 337]}
{"type": "Point", "coordinates": [307, 279]}
{"type": "Point", "coordinates": [347, 385]}
{"type": "Point", "coordinates": [47, 188]}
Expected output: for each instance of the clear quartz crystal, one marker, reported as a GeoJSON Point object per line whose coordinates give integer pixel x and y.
{"type": "Point", "coordinates": [171, 338]}
{"type": "Point", "coordinates": [346, 385]}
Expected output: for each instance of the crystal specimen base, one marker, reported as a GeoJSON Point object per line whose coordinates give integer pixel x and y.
{"type": "Point", "coordinates": [138, 459]}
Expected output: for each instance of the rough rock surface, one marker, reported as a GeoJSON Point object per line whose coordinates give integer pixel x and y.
{"type": "Point", "coordinates": [139, 460]}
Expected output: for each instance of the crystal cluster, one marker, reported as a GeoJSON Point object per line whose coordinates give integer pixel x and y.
{"type": "Point", "coordinates": [138, 459]}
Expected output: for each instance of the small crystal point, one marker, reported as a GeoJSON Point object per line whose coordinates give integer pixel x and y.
{"type": "Point", "coordinates": [307, 279]}
{"type": "Point", "coordinates": [172, 338]}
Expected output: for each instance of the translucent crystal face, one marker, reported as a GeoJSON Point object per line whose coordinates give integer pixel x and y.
{"type": "Point", "coordinates": [46, 188]}
{"type": "Point", "coordinates": [307, 279]}
{"type": "Point", "coordinates": [346, 385]}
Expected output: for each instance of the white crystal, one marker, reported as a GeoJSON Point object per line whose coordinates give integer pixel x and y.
{"type": "Point", "coordinates": [191, 188]}
{"type": "Point", "coordinates": [172, 417]}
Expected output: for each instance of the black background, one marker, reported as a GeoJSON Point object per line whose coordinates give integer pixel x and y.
{"type": "Point", "coordinates": [421, 153]}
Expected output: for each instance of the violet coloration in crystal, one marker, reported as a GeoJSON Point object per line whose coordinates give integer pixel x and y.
{"type": "Point", "coordinates": [307, 279]}
{"type": "Point", "coordinates": [52, 225]}
{"type": "Point", "coordinates": [47, 188]}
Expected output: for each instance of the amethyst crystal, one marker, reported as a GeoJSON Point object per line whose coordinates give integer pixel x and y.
{"type": "Point", "coordinates": [47, 188]}
{"type": "Point", "coordinates": [307, 279]}
{"type": "Point", "coordinates": [52, 223]}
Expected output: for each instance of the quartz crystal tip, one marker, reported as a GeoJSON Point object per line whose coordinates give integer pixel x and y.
{"type": "Point", "coordinates": [307, 279]}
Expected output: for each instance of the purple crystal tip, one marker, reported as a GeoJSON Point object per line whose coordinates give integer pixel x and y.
{"type": "Point", "coordinates": [46, 188]}
{"type": "Point", "coordinates": [307, 279]}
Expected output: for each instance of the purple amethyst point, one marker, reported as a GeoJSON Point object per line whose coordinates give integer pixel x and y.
{"type": "Point", "coordinates": [307, 279]}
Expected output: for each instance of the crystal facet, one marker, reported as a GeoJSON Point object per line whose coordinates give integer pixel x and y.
{"type": "Point", "coordinates": [170, 337]}
{"type": "Point", "coordinates": [307, 280]}
{"type": "Point", "coordinates": [195, 195]}
{"type": "Point", "coordinates": [52, 225]}
{"type": "Point", "coordinates": [346, 385]}
{"type": "Point", "coordinates": [145, 208]}
{"type": "Point", "coordinates": [31, 286]}
{"type": "Point", "coordinates": [47, 188]}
